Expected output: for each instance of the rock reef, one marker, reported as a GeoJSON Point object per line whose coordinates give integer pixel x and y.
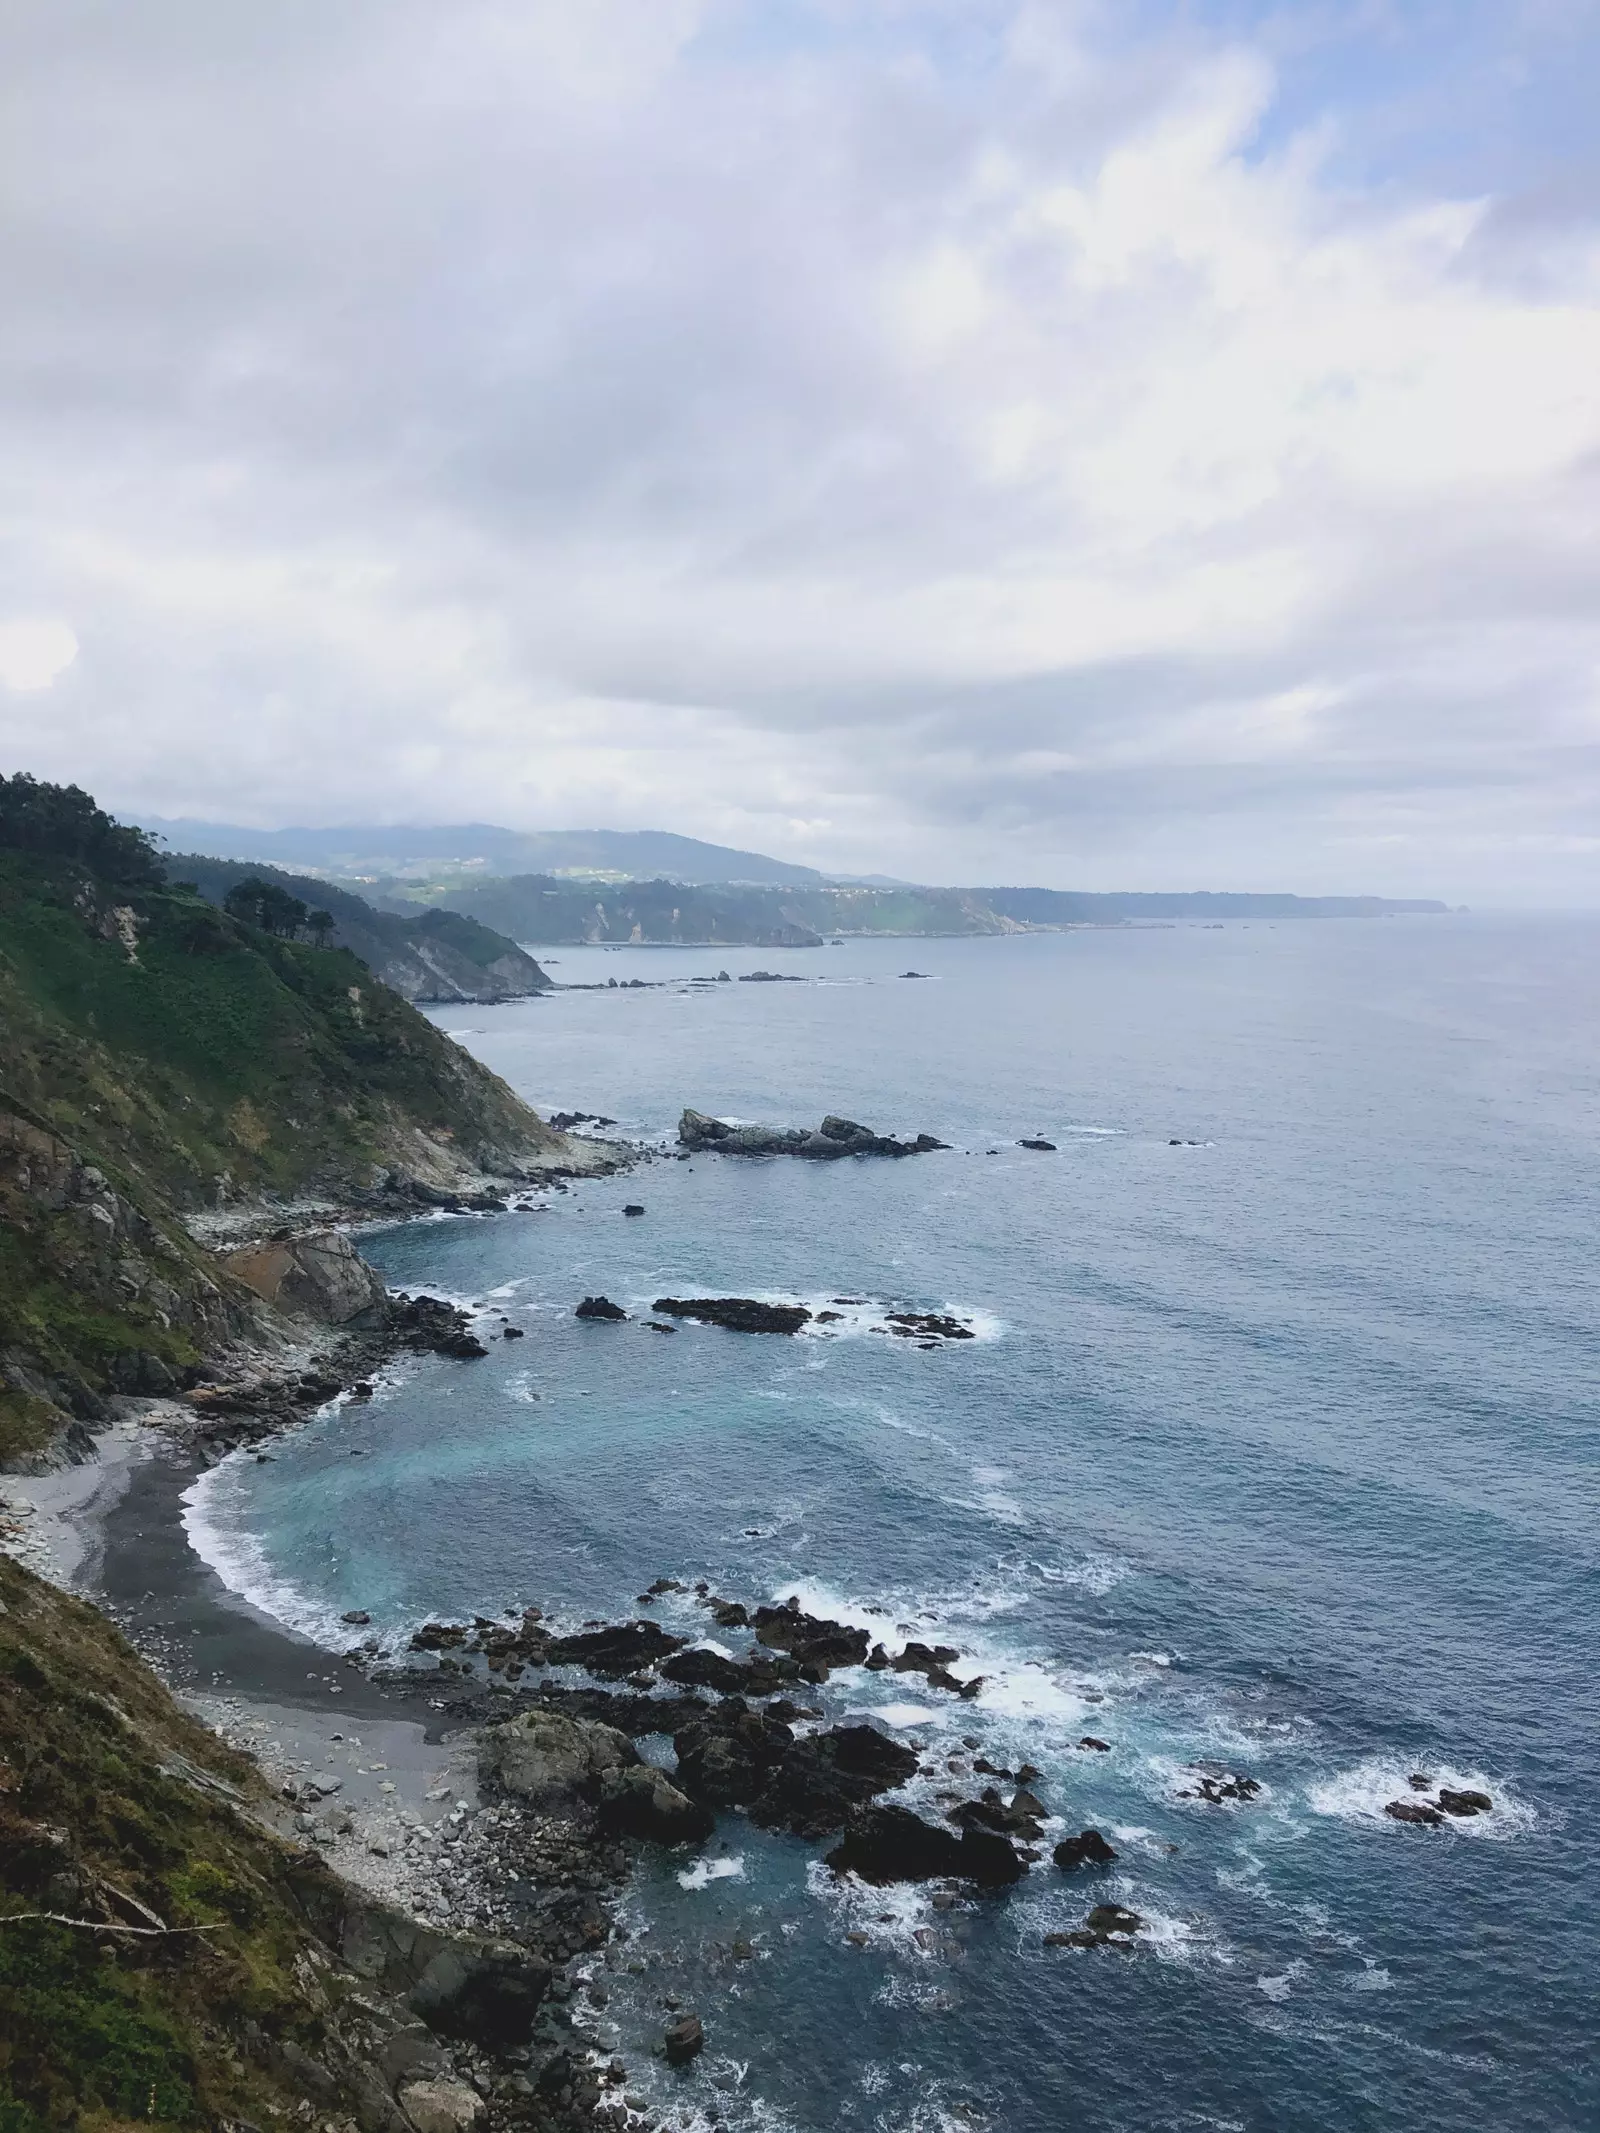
{"type": "Point", "coordinates": [834, 1138]}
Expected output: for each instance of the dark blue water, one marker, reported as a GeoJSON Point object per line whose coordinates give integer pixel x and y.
{"type": "Point", "coordinates": [1277, 1450]}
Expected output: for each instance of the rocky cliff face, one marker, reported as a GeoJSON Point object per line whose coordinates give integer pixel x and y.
{"type": "Point", "coordinates": [161, 1062]}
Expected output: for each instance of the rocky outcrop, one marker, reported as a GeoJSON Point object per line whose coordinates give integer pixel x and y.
{"type": "Point", "coordinates": [740, 1314]}
{"type": "Point", "coordinates": [730, 1755]}
{"type": "Point", "coordinates": [550, 1760]}
{"type": "Point", "coordinates": [814, 1642]}
{"type": "Point", "coordinates": [622, 1649]}
{"type": "Point", "coordinates": [832, 1140]}
{"type": "Point", "coordinates": [1088, 1848]}
{"type": "Point", "coordinates": [641, 1801]}
{"type": "Point", "coordinates": [318, 1274]}
{"type": "Point", "coordinates": [885, 1844]}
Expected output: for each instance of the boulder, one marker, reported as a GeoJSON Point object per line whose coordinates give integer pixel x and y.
{"type": "Point", "coordinates": [483, 1992]}
{"type": "Point", "coordinates": [319, 1275]}
{"type": "Point", "coordinates": [886, 1844]}
{"type": "Point", "coordinates": [1088, 1848]}
{"type": "Point", "coordinates": [641, 1801]}
{"type": "Point", "coordinates": [1464, 1803]}
{"type": "Point", "coordinates": [682, 2039]}
{"type": "Point", "coordinates": [599, 1307]}
{"type": "Point", "coordinates": [441, 2106]}
{"type": "Point", "coordinates": [1414, 1811]}
{"type": "Point", "coordinates": [548, 1759]}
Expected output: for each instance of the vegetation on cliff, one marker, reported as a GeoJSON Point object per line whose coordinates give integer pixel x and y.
{"type": "Point", "coordinates": [158, 1055]}
{"type": "Point", "coordinates": [421, 953]}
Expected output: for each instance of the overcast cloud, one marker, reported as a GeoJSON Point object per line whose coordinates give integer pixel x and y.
{"type": "Point", "coordinates": [1138, 446]}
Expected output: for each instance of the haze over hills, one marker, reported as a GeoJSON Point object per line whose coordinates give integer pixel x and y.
{"type": "Point", "coordinates": [368, 850]}
{"type": "Point", "coordinates": [534, 885]}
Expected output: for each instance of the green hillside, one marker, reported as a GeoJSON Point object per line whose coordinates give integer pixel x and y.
{"type": "Point", "coordinates": [158, 1056]}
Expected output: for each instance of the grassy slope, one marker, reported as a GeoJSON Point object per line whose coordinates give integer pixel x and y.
{"type": "Point", "coordinates": [211, 1052]}
{"type": "Point", "coordinates": [100, 2030]}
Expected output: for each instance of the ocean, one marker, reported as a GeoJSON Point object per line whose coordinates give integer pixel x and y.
{"type": "Point", "coordinates": [1274, 1453]}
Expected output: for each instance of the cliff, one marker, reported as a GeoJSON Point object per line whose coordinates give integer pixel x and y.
{"type": "Point", "coordinates": [421, 954]}
{"type": "Point", "coordinates": [538, 908]}
{"type": "Point", "coordinates": [159, 1058]}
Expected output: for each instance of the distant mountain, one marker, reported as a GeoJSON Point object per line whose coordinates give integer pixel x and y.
{"type": "Point", "coordinates": [1081, 907]}
{"type": "Point", "coordinates": [421, 953]}
{"type": "Point", "coordinates": [365, 850]}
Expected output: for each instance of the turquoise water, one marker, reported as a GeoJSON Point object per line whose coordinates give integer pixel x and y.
{"type": "Point", "coordinates": [1277, 1448]}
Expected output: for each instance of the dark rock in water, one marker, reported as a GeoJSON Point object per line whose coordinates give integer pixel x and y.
{"type": "Point", "coordinates": [1414, 1811]}
{"type": "Point", "coordinates": [1218, 1785]}
{"type": "Point", "coordinates": [924, 1658]}
{"type": "Point", "coordinates": [1419, 1781]}
{"type": "Point", "coordinates": [732, 1754]}
{"type": "Point", "coordinates": [1043, 1147]}
{"type": "Point", "coordinates": [698, 1668]}
{"type": "Point", "coordinates": [439, 1637]}
{"type": "Point", "coordinates": [512, 1333]}
{"type": "Point", "coordinates": [357, 1615]}
{"type": "Point", "coordinates": [916, 973]}
{"type": "Point", "coordinates": [599, 1307]}
{"type": "Point", "coordinates": [656, 1327]}
{"type": "Point", "coordinates": [639, 1800]}
{"type": "Point", "coordinates": [885, 1844]}
{"type": "Point", "coordinates": [1464, 1803]}
{"type": "Point", "coordinates": [927, 1326]}
{"type": "Point", "coordinates": [1022, 1816]}
{"type": "Point", "coordinates": [430, 1325]}
{"type": "Point", "coordinates": [1108, 1924]}
{"type": "Point", "coordinates": [729, 1614]}
{"type": "Point", "coordinates": [1087, 1849]}
{"type": "Point", "coordinates": [683, 2038]}
{"type": "Point", "coordinates": [741, 1314]}
{"type": "Point", "coordinates": [633, 1208]}
{"type": "Point", "coordinates": [616, 1651]}
{"type": "Point", "coordinates": [727, 1753]}
{"type": "Point", "coordinates": [833, 1139]}
{"type": "Point", "coordinates": [770, 977]}
{"type": "Point", "coordinates": [1100, 1747]}
{"type": "Point", "coordinates": [814, 1642]}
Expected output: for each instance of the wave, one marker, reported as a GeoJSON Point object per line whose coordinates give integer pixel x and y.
{"type": "Point", "coordinates": [1361, 1794]}
{"type": "Point", "coordinates": [213, 1513]}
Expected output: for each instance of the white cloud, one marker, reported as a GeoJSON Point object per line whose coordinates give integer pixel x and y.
{"type": "Point", "coordinates": [951, 457]}
{"type": "Point", "coordinates": [34, 650]}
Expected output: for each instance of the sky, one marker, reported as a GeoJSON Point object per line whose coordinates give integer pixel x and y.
{"type": "Point", "coordinates": [1131, 445]}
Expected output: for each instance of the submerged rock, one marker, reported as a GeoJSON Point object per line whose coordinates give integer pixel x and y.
{"type": "Point", "coordinates": [1107, 1925]}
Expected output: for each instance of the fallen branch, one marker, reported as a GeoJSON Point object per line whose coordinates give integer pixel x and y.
{"type": "Point", "coordinates": [100, 1925]}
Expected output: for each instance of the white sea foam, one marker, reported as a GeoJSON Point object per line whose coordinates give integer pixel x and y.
{"type": "Point", "coordinates": [900, 1715]}
{"type": "Point", "coordinates": [1280, 1986]}
{"type": "Point", "coordinates": [705, 1871]}
{"type": "Point", "coordinates": [213, 1521]}
{"type": "Point", "coordinates": [1096, 1574]}
{"type": "Point", "coordinates": [1361, 1794]}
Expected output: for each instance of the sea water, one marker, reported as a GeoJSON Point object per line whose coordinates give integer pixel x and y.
{"type": "Point", "coordinates": [1275, 1451]}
